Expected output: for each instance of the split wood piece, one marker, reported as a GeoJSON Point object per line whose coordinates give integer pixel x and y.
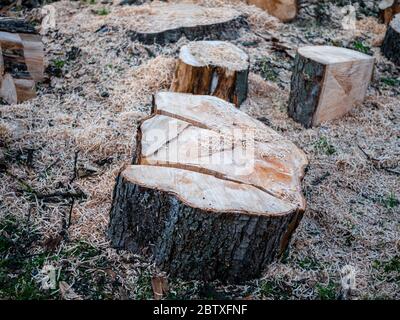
{"type": "Point", "coordinates": [389, 8]}
{"type": "Point", "coordinates": [214, 193]}
{"type": "Point", "coordinates": [327, 82]}
{"type": "Point", "coordinates": [284, 10]}
{"type": "Point", "coordinates": [165, 23]}
{"type": "Point", "coordinates": [212, 68]}
{"type": "Point", "coordinates": [23, 60]}
{"type": "Point", "coordinates": [391, 44]}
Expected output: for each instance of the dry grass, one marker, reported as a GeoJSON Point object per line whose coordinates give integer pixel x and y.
{"type": "Point", "coordinates": [80, 137]}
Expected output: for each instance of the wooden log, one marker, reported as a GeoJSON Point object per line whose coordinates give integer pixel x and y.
{"type": "Point", "coordinates": [284, 10]}
{"type": "Point", "coordinates": [214, 193]}
{"type": "Point", "coordinates": [327, 82]}
{"type": "Point", "coordinates": [388, 9]}
{"type": "Point", "coordinates": [166, 23]}
{"type": "Point", "coordinates": [391, 44]}
{"type": "Point", "coordinates": [23, 59]}
{"type": "Point", "coordinates": [212, 68]}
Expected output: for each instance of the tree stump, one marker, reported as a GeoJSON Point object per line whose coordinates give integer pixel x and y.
{"type": "Point", "coordinates": [391, 44]}
{"type": "Point", "coordinates": [22, 55]}
{"type": "Point", "coordinates": [166, 23]}
{"type": "Point", "coordinates": [213, 193]}
{"type": "Point", "coordinates": [327, 82]}
{"type": "Point", "coordinates": [212, 68]}
{"type": "Point", "coordinates": [388, 9]}
{"type": "Point", "coordinates": [284, 10]}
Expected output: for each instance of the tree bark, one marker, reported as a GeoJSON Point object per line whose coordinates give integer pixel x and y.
{"type": "Point", "coordinates": [204, 220]}
{"type": "Point", "coordinates": [391, 44]}
{"type": "Point", "coordinates": [212, 68]}
{"type": "Point", "coordinates": [327, 82]}
{"type": "Point", "coordinates": [175, 24]}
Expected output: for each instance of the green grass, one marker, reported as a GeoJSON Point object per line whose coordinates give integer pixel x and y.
{"type": "Point", "coordinates": [58, 63]}
{"type": "Point", "coordinates": [392, 82]}
{"type": "Point", "coordinates": [322, 145]}
{"type": "Point", "coordinates": [267, 72]}
{"type": "Point", "coordinates": [327, 292]}
{"type": "Point", "coordinates": [361, 47]}
{"type": "Point", "coordinates": [308, 264]}
{"type": "Point", "coordinates": [390, 201]}
{"type": "Point", "coordinates": [144, 290]}
{"type": "Point", "coordinates": [102, 12]}
{"type": "Point", "coordinates": [17, 266]}
{"type": "Point", "coordinates": [272, 289]}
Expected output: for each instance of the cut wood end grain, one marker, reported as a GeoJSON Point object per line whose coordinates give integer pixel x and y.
{"type": "Point", "coordinates": [214, 53]}
{"type": "Point", "coordinates": [165, 23]}
{"type": "Point", "coordinates": [331, 55]}
{"type": "Point", "coordinates": [207, 167]}
{"type": "Point", "coordinates": [284, 10]}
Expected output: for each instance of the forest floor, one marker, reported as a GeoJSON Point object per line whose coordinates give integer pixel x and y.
{"type": "Point", "coordinates": [60, 154]}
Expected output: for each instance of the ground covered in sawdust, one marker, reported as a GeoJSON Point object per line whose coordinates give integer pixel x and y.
{"type": "Point", "coordinates": [60, 154]}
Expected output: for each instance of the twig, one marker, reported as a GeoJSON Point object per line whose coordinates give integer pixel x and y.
{"type": "Point", "coordinates": [75, 167]}
{"type": "Point", "coordinates": [376, 163]}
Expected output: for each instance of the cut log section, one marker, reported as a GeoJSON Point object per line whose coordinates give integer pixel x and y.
{"type": "Point", "coordinates": [214, 193]}
{"type": "Point", "coordinates": [391, 44]}
{"type": "Point", "coordinates": [165, 23]}
{"type": "Point", "coordinates": [284, 10]}
{"type": "Point", "coordinates": [327, 82]}
{"type": "Point", "coordinates": [388, 9]}
{"type": "Point", "coordinates": [212, 68]}
{"type": "Point", "coordinates": [22, 55]}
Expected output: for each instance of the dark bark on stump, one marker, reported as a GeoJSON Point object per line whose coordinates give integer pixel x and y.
{"type": "Point", "coordinates": [228, 30]}
{"type": "Point", "coordinates": [16, 25]}
{"type": "Point", "coordinates": [194, 244]}
{"type": "Point", "coordinates": [391, 44]}
{"type": "Point", "coordinates": [306, 85]}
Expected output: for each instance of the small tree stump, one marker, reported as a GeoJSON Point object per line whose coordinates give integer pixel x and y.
{"type": "Point", "coordinates": [388, 9]}
{"type": "Point", "coordinates": [212, 68]}
{"type": "Point", "coordinates": [391, 44]}
{"type": "Point", "coordinates": [284, 10]}
{"type": "Point", "coordinates": [327, 82]}
{"type": "Point", "coordinates": [22, 55]}
{"type": "Point", "coordinates": [165, 23]}
{"type": "Point", "coordinates": [213, 193]}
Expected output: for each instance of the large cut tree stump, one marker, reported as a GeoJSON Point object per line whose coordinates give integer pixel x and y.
{"type": "Point", "coordinates": [165, 23]}
{"type": "Point", "coordinates": [213, 193]}
{"type": "Point", "coordinates": [212, 68]}
{"type": "Point", "coordinates": [391, 44]}
{"type": "Point", "coordinates": [327, 82]}
{"type": "Point", "coordinates": [284, 10]}
{"type": "Point", "coordinates": [389, 8]}
{"type": "Point", "coordinates": [22, 55]}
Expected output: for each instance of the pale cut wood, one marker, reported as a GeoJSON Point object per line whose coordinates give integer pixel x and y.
{"type": "Point", "coordinates": [165, 23]}
{"type": "Point", "coordinates": [1, 63]}
{"type": "Point", "coordinates": [23, 59]}
{"type": "Point", "coordinates": [215, 68]}
{"type": "Point", "coordinates": [284, 10]}
{"type": "Point", "coordinates": [391, 43]}
{"type": "Point", "coordinates": [215, 193]}
{"type": "Point", "coordinates": [389, 8]}
{"type": "Point", "coordinates": [327, 82]}
{"type": "Point", "coordinates": [8, 91]}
